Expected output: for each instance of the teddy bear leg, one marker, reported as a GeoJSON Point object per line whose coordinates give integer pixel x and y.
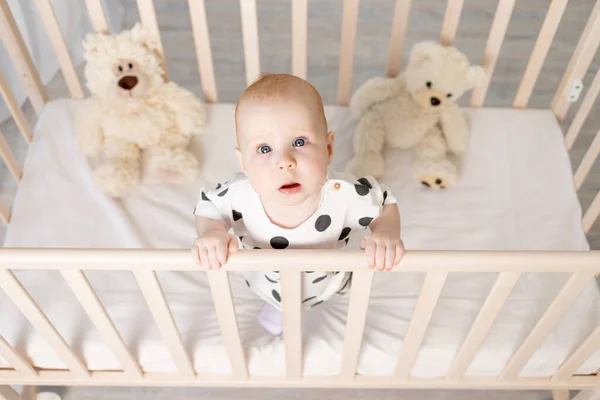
{"type": "Point", "coordinates": [122, 170]}
{"type": "Point", "coordinates": [368, 147]}
{"type": "Point", "coordinates": [432, 166]}
{"type": "Point", "coordinates": [173, 165]}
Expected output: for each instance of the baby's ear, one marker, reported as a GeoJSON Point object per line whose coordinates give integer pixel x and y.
{"type": "Point", "coordinates": [330, 140]}
{"type": "Point", "coordinates": [240, 157]}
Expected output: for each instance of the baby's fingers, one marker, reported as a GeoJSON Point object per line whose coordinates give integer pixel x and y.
{"type": "Point", "coordinates": [370, 252]}
{"type": "Point", "coordinates": [233, 245]}
{"type": "Point", "coordinates": [221, 250]}
{"type": "Point", "coordinates": [399, 253]}
{"type": "Point", "coordinates": [380, 256]}
{"type": "Point", "coordinates": [204, 261]}
{"type": "Point", "coordinates": [212, 256]}
{"type": "Point", "coordinates": [390, 255]}
{"type": "Point", "coordinates": [196, 254]}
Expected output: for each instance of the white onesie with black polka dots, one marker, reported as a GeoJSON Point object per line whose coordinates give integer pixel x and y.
{"type": "Point", "coordinates": [347, 206]}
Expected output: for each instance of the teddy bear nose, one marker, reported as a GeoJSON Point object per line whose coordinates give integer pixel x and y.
{"type": "Point", "coordinates": [435, 101]}
{"type": "Point", "coordinates": [128, 82]}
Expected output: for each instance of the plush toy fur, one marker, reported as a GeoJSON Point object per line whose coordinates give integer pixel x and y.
{"type": "Point", "coordinates": [132, 109]}
{"type": "Point", "coordinates": [418, 110]}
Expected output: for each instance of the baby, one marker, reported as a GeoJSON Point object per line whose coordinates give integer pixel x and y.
{"type": "Point", "coordinates": [288, 198]}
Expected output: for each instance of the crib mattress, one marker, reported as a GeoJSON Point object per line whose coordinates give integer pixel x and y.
{"type": "Point", "coordinates": [516, 192]}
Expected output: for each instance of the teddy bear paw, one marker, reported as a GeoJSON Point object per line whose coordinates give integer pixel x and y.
{"type": "Point", "coordinates": [117, 178]}
{"type": "Point", "coordinates": [372, 165]}
{"type": "Point", "coordinates": [434, 182]}
{"type": "Point", "coordinates": [176, 166]}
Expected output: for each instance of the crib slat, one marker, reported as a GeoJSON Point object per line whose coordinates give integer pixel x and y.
{"type": "Point", "coordinates": [149, 21]}
{"type": "Point", "coordinates": [492, 48]}
{"type": "Point", "coordinates": [583, 112]}
{"type": "Point", "coordinates": [561, 394]}
{"type": "Point", "coordinates": [559, 306]}
{"type": "Point", "coordinates": [46, 12]}
{"type": "Point", "coordinates": [250, 37]}
{"type": "Point", "coordinates": [430, 292]}
{"type": "Point", "coordinates": [203, 50]}
{"type": "Point", "coordinates": [291, 287]}
{"type": "Point", "coordinates": [84, 292]}
{"type": "Point", "coordinates": [481, 326]}
{"type": "Point", "coordinates": [540, 51]}
{"type": "Point", "coordinates": [580, 62]}
{"type": "Point", "coordinates": [8, 393]}
{"type": "Point", "coordinates": [587, 162]}
{"type": "Point", "coordinates": [18, 53]}
{"type": "Point", "coordinates": [592, 213]}
{"type": "Point", "coordinates": [362, 281]}
{"type": "Point", "coordinates": [161, 313]}
{"type": "Point", "coordinates": [348, 45]}
{"type": "Point", "coordinates": [579, 356]}
{"type": "Point", "coordinates": [9, 158]}
{"type": "Point", "coordinates": [4, 214]}
{"type": "Point", "coordinates": [397, 37]}
{"type": "Point", "coordinates": [299, 37]}
{"type": "Point", "coordinates": [97, 16]}
{"type": "Point", "coordinates": [15, 110]}
{"type": "Point", "coordinates": [451, 20]}
{"type": "Point", "coordinates": [220, 290]}
{"type": "Point", "coordinates": [17, 293]}
{"type": "Point", "coordinates": [17, 361]}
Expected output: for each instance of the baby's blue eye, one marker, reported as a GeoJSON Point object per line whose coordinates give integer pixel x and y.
{"type": "Point", "coordinates": [299, 142]}
{"type": "Point", "coordinates": [264, 149]}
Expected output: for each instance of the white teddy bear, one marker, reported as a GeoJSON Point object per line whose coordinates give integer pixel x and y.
{"type": "Point", "coordinates": [418, 110]}
{"type": "Point", "coordinates": [133, 109]}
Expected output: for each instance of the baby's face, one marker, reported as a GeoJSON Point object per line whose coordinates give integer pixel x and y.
{"type": "Point", "coordinates": [284, 149]}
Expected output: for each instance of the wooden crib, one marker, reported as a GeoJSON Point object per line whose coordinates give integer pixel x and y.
{"type": "Point", "coordinates": [582, 266]}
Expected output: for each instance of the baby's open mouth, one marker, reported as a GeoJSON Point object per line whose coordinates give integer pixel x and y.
{"type": "Point", "coordinates": [290, 188]}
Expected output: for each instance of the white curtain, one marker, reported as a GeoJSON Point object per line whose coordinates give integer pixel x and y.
{"type": "Point", "coordinates": [74, 22]}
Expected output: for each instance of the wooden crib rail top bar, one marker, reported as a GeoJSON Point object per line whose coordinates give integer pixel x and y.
{"type": "Point", "coordinates": [300, 260]}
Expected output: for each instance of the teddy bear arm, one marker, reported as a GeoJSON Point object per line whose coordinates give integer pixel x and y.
{"type": "Point", "coordinates": [456, 129]}
{"type": "Point", "coordinates": [88, 126]}
{"type": "Point", "coordinates": [373, 91]}
{"type": "Point", "coordinates": [190, 113]}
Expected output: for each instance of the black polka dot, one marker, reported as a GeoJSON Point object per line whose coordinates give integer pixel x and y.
{"type": "Point", "coordinates": [362, 190]}
{"type": "Point", "coordinates": [204, 197]}
{"type": "Point", "coordinates": [345, 233]}
{"type": "Point", "coordinates": [269, 279]}
{"type": "Point", "coordinates": [322, 223]}
{"type": "Point", "coordinates": [241, 238]}
{"type": "Point", "coordinates": [279, 242]}
{"type": "Point", "coordinates": [236, 215]}
{"type": "Point", "coordinates": [317, 303]}
{"type": "Point", "coordinates": [247, 283]}
{"type": "Point", "coordinates": [223, 193]}
{"type": "Point", "coordinates": [256, 248]}
{"type": "Point", "coordinates": [347, 240]}
{"type": "Point", "coordinates": [384, 196]}
{"type": "Point", "coordinates": [319, 279]}
{"type": "Point", "coordinates": [365, 221]}
{"type": "Point", "coordinates": [276, 295]}
{"type": "Point", "coordinates": [218, 186]}
{"type": "Point", "coordinates": [309, 299]}
{"type": "Point", "coordinates": [365, 182]}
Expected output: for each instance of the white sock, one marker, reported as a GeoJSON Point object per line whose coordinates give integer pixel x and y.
{"type": "Point", "coordinates": [271, 319]}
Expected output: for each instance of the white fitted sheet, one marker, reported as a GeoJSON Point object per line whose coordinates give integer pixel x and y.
{"type": "Point", "coordinates": [516, 192]}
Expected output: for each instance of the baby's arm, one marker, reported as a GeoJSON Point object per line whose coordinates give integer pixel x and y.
{"type": "Point", "coordinates": [214, 243]}
{"type": "Point", "coordinates": [383, 246]}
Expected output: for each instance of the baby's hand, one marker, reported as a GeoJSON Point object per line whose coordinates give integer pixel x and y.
{"type": "Point", "coordinates": [212, 249]}
{"type": "Point", "coordinates": [384, 251]}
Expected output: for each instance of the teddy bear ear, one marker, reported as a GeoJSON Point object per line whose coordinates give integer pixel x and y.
{"type": "Point", "coordinates": [424, 52]}
{"type": "Point", "coordinates": [475, 76]}
{"type": "Point", "coordinates": [141, 35]}
{"type": "Point", "coordinates": [92, 43]}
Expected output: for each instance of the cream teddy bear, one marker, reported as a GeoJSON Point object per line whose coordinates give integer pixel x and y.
{"type": "Point", "coordinates": [132, 112]}
{"type": "Point", "coordinates": [418, 110]}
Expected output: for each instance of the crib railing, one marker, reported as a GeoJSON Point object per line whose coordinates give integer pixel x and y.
{"type": "Point", "coordinates": [579, 64]}
{"type": "Point", "coordinates": [581, 267]}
